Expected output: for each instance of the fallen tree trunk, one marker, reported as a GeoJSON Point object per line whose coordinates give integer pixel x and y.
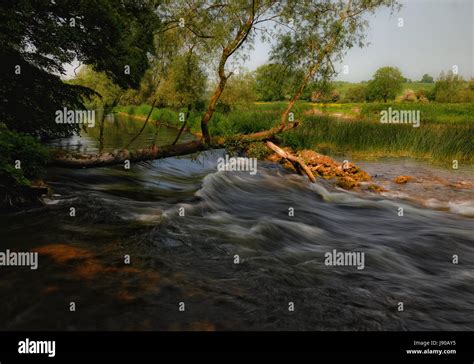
{"type": "Point", "coordinates": [70, 160]}
{"type": "Point", "coordinates": [297, 162]}
{"type": "Point", "coordinates": [266, 134]}
{"type": "Point", "coordinates": [119, 157]}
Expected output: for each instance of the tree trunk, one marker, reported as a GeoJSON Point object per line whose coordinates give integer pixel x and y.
{"type": "Point", "coordinates": [296, 96]}
{"type": "Point", "coordinates": [108, 108]}
{"type": "Point", "coordinates": [101, 132]}
{"type": "Point", "coordinates": [144, 125]}
{"type": "Point", "coordinates": [231, 47]}
{"type": "Point", "coordinates": [309, 75]}
{"type": "Point", "coordinates": [184, 124]}
{"type": "Point", "coordinates": [120, 157]}
{"type": "Point", "coordinates": [311, 72]}
{"type": "Point", "coordinates": [210, 109]}
{"type": "Point", "coordinates": [157, 128]}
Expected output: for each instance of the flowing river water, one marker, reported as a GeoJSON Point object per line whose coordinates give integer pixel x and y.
{"type": "Point", "coordinates": [190, 261]}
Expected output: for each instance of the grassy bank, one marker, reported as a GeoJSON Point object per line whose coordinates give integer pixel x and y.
{"type": "Point", "coordinates": [435, 142]}
{"type": "Point", "coordinates": [445, 132]}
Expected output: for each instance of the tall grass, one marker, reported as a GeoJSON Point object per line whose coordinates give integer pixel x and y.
{"type": "Point", "coordinates": [248, 120]}
{"type": "Point", "coordinates": [442, 143]}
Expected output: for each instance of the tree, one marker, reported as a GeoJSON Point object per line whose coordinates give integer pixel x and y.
{"type": "Point", "coordinates": [240, 90]}
{"type": "Point", "coordinates": [385, 85]}
{"type": "Point", "coordinates": [168, 45]}
{"type": "Point", "coordinates": [106, 95]}
{"type": "Point", "coordinates": [471, 84]}
{"type": "Point", "coordinates": [184, 84]}
{"type": "Point", "coordinates": [320, 32]}
{"type": "Point", "coordinates": [39, 37]}
{"type": "Point", "coordinates": [235, 21]}
{"type": "Point", "coordinates": [449, 88]}
{"type": "Point", "coordinates": [187, 82]}
{"type": "Point", "coordinates": [427, 78]}
{"type": "Point", "coordinates": [356, 94]}
{"type": "Point", "coordinates": [106, 92]}
{"type": "Point", "coordinates": [272, 82]}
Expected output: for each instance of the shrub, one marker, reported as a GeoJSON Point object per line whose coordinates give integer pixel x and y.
{"type": "Point", "coordinates": [452, 88]}
{"type": "Point", "coordinates": [32, 157]}
{"type": "Point", "coordinates": [356, 94]}
{"type": "Point", "coordinates": [258, 150]}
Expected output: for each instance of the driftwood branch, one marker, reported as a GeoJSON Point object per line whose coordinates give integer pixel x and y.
{"type": "Point", "coordinates": [297, 162]}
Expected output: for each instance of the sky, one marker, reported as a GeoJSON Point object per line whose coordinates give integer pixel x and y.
{"type": "Point", "coordinates": [436, 35]}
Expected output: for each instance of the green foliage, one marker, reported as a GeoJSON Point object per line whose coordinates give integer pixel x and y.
{"type": "Point", "coordinates": [272, 82]}
{"type": "Point", "coordinates": [258, 150]}
{"type": "Point", "coordinates": [30, 100]}
{"type": "Point", "coordinates": [350, 91]}
{"type": "Point", "coordinates": [356, 94]}
{"type": "Point", "coordinates": [41, 37]}
{"type": "Point", "coordinates": [107, 92]}
{"type": "Point", "coordinates": [237, 121]}
{"type": "Point", "coordinates": [445, 132]}
{"type": "Point", "coordinates": [385, 85]}
{"type": "Point", "coordinates": [322, 91]}
{"type": "Point", "coordinates": [452, 88]}
{"type": "Point", "coordinates": [239, 90]}
{"type": "Point", "coordinates": [427, 79]}
{"type": "Point", "coordinates": [184, 82]}
{"type": "Point", "coordinates": [471, 84]}
{"type": "Point", "coordinates": [24, 148]}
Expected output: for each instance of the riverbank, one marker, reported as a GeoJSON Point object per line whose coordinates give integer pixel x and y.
{"type": "Point", "coordinates": [444, 134]}
{"type": "Point", "coordinates": [439, 180]}
{"type": "Point", "coordinates": [315, 130]}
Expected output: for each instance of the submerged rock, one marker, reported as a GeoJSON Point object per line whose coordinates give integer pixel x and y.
{"type": "Point", "coordinates": [346, 182]}
{"type": "Point", "coordinates": [376, 188]}
{"type": "Point", "coordinates": [402, 179]}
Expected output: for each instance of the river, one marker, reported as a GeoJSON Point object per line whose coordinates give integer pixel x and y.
{"type": "Point", "coordinates": [236, 259]}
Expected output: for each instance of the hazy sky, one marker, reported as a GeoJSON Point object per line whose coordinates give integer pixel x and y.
{"type": "Point", "coordinates": [436, 35]}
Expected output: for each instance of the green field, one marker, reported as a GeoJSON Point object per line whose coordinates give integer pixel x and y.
{"type": "Point", "coordinates": [429, 113]}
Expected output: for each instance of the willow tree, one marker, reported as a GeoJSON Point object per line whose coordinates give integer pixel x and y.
{"type": "Point", "coordinates": [106, 95]}
{"type": "Point", "coordinates": [316, 33]}
{"type": "Point", "coordinates": [309, 35]}
{"type": "Point", "coordinates": [223, 29]}
{"type": "Point", "coordinates": [234, 24]}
